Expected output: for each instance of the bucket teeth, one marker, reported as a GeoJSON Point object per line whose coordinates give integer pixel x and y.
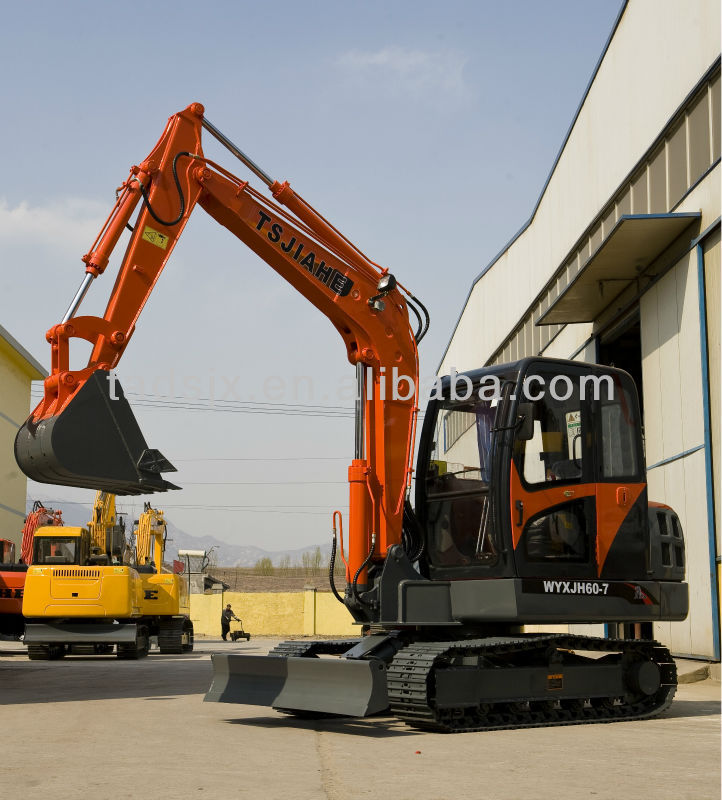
{"type": "Point", "coordinates": [94, 443]}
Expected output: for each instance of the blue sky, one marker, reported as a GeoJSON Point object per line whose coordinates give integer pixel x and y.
{"type": "Point", "coordinates": [423, 130]}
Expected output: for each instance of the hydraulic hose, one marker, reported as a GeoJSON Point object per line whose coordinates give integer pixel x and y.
{"type": "Point", "coordinates": [420, 327]}
{"type": "Point", "coordinates": [354, 583]}
{"type": "Point", "coordinates": [415, 544]}
{"type": "Point", "coordinates": [423, 329]}
{"type": "Point", "coordinates": [331, 566]}
{"type": "Point", "coordinates": [169, 223]}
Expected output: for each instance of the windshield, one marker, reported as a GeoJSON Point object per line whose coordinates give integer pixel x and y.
{"type": "Point", "coordinates": [7, 552]}
{"type": "Point", "coordinates": [56, 550]}
{"type": "Point", "coordinates": [457, 483]}
{"type": "Point", "coordinates": [619, 435]}
{"type": "Point", "coordinates": [462, 445]}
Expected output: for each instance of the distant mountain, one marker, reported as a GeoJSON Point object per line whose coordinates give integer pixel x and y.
{"type": "Point", "coordinates": [223, 555]}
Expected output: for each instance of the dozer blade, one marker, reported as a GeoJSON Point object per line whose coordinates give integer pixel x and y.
{"type": "Point", "coordinates": [94, 443]}
{"type": "Point", "coordinates": [348, 687]}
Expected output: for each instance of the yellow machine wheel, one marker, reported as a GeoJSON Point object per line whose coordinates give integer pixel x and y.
{"type": "Point", "coordinates": [46, 652]}
{"type": "Point", "coordinates": [138, 649]}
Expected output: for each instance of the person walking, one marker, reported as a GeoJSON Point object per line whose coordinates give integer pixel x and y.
{"type": "Point", "coordinates": [226, 616]}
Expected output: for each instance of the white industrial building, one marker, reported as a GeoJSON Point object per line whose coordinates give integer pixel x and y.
{"type": "Point", "coordinates": [619, 263]}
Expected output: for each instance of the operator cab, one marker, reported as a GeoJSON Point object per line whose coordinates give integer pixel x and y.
{"type": "Point", "coordinates": [7, 552]}
{"type": "Point", "coordinates": [532, 469]}
{"type": "Point", "coordinates": [61, 546]}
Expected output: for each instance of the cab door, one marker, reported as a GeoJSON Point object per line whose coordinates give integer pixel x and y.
{"type": "Point", "coordinates": [552, 481]}
{"type": "Point", "coordinates": [622, 525]}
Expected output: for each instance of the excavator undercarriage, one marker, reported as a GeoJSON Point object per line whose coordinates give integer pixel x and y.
{"type": "Point", "coordinates": [457, 685]}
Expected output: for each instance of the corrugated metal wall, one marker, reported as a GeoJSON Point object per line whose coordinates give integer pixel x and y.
{"type": "Point", "coordinates": [674, 434]}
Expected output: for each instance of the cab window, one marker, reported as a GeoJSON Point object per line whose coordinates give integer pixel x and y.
{"type": "Point", "coordinates": [55, 550]}
{"type": "Point", "coordinates": [560, 445]}
{"type": "Point", "coordinates": [457, 485]}
{"type": "Point", "coordinates": [620, 434]}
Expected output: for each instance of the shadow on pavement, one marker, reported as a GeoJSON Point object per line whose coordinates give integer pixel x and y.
{"type": "Point", "coordinates": [693, 708]}
{"type": "Point", "coordinates": [383, 727]}
{"type": "Point", "coordinates": [372, 727]}
{"type": "Point", "coordinates": [103, 678]}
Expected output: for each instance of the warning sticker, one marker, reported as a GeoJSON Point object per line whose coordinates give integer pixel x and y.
{"type": "Point", "coordinates": [155, 237]}
{"type": "Point", "coordinates": [555, 682]}
{"type": "Point", "coordinates": [574, 430]}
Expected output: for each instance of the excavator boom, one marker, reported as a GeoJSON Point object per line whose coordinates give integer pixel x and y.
{"type": "Point", "coordinates": [83, 433]}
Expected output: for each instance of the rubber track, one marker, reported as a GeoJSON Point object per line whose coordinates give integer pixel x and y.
{"type": "Point", "coordinates": [409, 673]}
{"type": "Point", "coordinates": [128, 652]}
{"type": "Point", "coordinates": [312, 649]}
{"type": "Point", "coordinates": [38, 652]}
{"type": "Point", "coordinates": [170, 637]}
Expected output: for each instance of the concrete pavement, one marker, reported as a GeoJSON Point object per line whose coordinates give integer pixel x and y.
{"type": "Point", "coordinates": [99, 727]}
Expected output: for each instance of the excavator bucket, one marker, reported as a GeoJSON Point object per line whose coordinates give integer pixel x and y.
{"type": "Point", "coordinates": [343, 686]}
{"type": "Point", "coordinates": [94, 443]}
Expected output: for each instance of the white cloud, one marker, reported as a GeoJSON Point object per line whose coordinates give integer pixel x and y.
{"type": "Point", "coordinates": [68, 225]}
{"type": "Point", "coordinates": [413, 72]}
{"type": "Point", "coordinates": [40, 268]}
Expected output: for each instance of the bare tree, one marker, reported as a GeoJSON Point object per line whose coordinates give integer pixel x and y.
{"type": "Point", "coordinates": [312, 560]}
{"type": "Point", "coordinates": [316, 560]}
{"type": "Point", "coordinates": [264, 566]}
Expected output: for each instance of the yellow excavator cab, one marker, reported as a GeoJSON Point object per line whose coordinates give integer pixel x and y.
{"type": "Point", "coordinates": [61, 545]}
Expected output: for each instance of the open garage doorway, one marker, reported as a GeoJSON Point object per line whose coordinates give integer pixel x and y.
{"type": "Point", "coordinates": [621, 347]}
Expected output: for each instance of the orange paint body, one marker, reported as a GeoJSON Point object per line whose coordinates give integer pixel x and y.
{"type": "Point", "coordinates": [11, 592]}
{"type": "Point", "coordinates": [613, 503]}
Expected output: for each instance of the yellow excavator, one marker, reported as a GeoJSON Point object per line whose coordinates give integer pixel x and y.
{"type": "Point", "coordinates": [89, 589]}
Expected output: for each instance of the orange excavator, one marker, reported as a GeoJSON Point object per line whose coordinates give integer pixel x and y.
{"type": "Point", "coordinates": [530, 505]}
{"type": "Point", "coordinates": [13, 575]}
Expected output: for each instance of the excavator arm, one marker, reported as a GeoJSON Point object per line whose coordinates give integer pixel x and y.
{"type": "Point", "coordinates": [103, 519]}
{"type": "Point", "coordinates": [150, 537]}
{"type": "Point", "coordinates": [83, 432]}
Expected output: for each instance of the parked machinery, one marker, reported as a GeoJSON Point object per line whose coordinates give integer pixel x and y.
{"type": "Point", "coordinates": [87, 590]}
{"type": "Point", "coordinates": [12, 573]}
{"type": "Point", "coordinates": [528, 510]}
{"type": "Point", "coordinates": [12, 582]}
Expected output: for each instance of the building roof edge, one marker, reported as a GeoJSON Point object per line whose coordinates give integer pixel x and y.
{"type": "Point", "coordinates": [36, 369]}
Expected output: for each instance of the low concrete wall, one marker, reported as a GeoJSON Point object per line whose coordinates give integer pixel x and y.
{"type": "Point", "coordinates": [306, 613]}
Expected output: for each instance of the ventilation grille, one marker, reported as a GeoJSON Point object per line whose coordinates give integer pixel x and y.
{"type": "Point", "coordinates": [76, 573]}
{"type": "Point", "coordinates": [672, 543]}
